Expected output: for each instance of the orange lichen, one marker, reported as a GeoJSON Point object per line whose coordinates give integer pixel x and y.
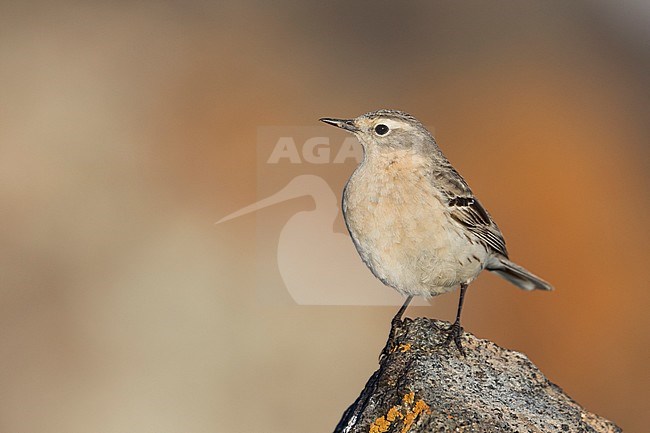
{"type": "Point", "coordinates": [380, 425]}
{"type": "Point", "coordinates": [406, 411]}
{"type": "Point", "coordinates": [393, 414]}
{"type": "Point", "coordinates": [405, 347]}
{"type": "Point", "coordinates": [411, 416]}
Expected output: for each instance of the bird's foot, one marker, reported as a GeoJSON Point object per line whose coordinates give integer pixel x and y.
{"type": "Point", "coordinates": [388, 348]}
{"type": "Point", "coordinates": [454, 332]}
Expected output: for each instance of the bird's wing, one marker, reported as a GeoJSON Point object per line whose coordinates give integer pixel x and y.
{"type": "Point", "coordinates": [471, 214]}
{"type": "Point", "coordinates": [465, 209]}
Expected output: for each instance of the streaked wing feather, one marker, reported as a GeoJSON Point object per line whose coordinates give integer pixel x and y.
{"type": "Point", "coordinates": [466, 209]}
{"type": "Point", "coordinates": [473, 216]}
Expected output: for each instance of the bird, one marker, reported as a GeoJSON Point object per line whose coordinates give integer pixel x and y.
{"type": "Point", "coordinates": [413, 218]}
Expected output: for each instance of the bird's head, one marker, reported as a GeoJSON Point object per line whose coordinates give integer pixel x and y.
{"type": "Point", "coordinates": [387, 129]}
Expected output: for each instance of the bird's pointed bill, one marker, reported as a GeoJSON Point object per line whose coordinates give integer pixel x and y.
{"type": "Point", "coordinates": [347, 124]}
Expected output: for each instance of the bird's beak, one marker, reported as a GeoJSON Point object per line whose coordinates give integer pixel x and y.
{"type": "Point", "coordinates": [348, 124]}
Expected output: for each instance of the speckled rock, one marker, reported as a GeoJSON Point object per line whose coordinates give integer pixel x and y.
{"type": "Point", "coordinates": [421, 387]}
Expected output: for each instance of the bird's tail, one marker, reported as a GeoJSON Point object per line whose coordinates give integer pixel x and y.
{"type": "Point", "coordinates": [516, 274]}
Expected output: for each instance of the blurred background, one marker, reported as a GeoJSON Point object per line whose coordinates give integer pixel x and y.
{"type": "Point", "coordinates": [128, 128]}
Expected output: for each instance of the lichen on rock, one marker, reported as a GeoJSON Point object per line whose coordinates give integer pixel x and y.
{"type": "Point", "coordinates": [429, 388]}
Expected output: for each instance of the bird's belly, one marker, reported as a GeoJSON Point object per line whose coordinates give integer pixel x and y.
{"type": "Point", "coordinates": [404, 234]}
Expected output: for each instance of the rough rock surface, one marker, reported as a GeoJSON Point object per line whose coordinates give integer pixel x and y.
{"type": "Point", "coordinates": [422, 387]}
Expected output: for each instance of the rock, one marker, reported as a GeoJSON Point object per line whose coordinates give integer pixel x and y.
{"type": "Point", "coordinates": [422, 387]}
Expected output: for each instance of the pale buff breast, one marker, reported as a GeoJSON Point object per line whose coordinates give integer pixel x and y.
{"type": "Point", "coordinates": [401, 230]}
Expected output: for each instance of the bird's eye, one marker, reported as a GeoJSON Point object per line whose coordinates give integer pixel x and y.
{"type": "Point", "coordinates": [381, 129]}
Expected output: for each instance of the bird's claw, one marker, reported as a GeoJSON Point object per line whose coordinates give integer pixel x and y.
{"type": "Point", "coordinates": [454, 332]}
{"type": "Point", "coordinates": [396, 322]}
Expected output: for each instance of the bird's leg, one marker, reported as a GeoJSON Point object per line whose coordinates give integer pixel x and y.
{"type": "Point", "coordinates": [455, 330]}
{"type": "Point", "coordinates": [396, 320]}
{"type": "Point", "coordinates": [400, 312]}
